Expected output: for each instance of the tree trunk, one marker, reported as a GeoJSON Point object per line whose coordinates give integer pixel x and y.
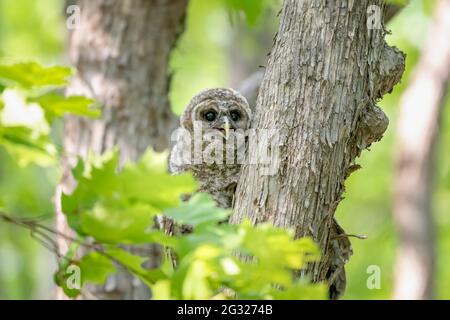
{"type": "Point", "coordinates": [421, 107]}
{"type": "Point", "coordinates": [121, 50]}
{"type": "Point", "coordinates": [325, 72]}
{"type": "Point", "coordinates": [249, 87]}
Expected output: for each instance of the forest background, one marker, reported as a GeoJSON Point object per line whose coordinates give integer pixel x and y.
{"type": "Point", "coordinates": [219, 50]}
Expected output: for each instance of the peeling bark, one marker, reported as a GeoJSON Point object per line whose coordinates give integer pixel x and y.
{"type": "Point", "coordinates": [421, 107]}
{"type": "Point", "coordinates": [121, 51]}
{"type": "Point", "coordinates": [324, 75]}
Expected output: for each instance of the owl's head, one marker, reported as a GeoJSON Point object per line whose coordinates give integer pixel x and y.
{"type": "Point", "coordinates": [218, 109]}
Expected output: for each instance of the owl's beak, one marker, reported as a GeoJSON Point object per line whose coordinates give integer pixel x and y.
{"type": "Point", "coordinates": [226, 127]}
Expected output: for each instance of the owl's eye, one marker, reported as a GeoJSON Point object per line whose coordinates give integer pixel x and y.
{"type": "Point", "coordinates": [210, 115]}
{"type": "Point", "coordinates": [235, 115]}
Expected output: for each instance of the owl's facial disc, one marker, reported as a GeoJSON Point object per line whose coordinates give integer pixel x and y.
{"type": "Point", "coordinates": [221, 116]}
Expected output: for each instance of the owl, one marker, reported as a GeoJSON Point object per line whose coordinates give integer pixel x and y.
{"type": "Point", "coordinates": [216, 120]}
{"type": "Point", "coordinates": [211, 142]}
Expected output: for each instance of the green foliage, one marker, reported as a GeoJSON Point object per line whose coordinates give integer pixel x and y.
{"type": "Point", "coordinates": [29, 103]}
{"type": "Point", "coordinates": [198, 210]}
{"type": "Point", "coordinates": [27, 147]}
{"type": "Point", "coordinates": [96, 268]}
{"type": "Point", "coordinates": [252, 9]}
{"type": "Point", "coordinates": [61, 277]}
{"type": "Point", "coordinates": [31, 30]}
{"type": "Point", "coordinates": [56, 105]}
{"type": "Point", "coordinates": [118, 207]}
{"type": "Point", "coordinates": [29, 75]}
{"type": "Point", "coordinates": [202, 60]}
{"type": "Point", "coordinates": [215, 260]}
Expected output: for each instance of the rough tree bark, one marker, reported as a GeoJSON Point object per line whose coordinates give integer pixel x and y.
{"type": "Point", "coordinates": [121, 50]}
{"type": "Point", "coordinates": [324, 75]}
{"type": "Point", "coordinates": [418, 128]}
{"type": "Point", "coordinates": [249, 87]}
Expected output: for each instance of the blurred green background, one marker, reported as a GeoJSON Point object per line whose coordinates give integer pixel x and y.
{"type": "Point", "coordinates": [218, 49]}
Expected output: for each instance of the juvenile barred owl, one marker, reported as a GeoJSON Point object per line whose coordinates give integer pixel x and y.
{"type": "Point", "coordinates": [223, 116]}
{"type": "Point", "coordinates": [211, 142]}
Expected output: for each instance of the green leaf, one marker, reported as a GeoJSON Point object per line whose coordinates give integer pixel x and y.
{"type": "Point", "coordinates": [57, 106]}
{"type": "Point", "coordinates": [148, 181]}
{"type": "Point", "coordinates": [198, 210]}
{"type": "Point", "coordinates": [112, 222]}
{"type": "Point", "coordinates": [119, 207]}
{"type": "Point", "coordinates": [161, 290]}
{"type": "Point", "coordinates": [27, 148]}
{"type": "Point", "coordinates": [224, 235]}
{"type": "Point", "coordinates": [196, 285]}
{"type": "Point", "coordinates": [78, 170]}
{"type": "Point", "coordinates": [95, 268]}
{"type": "Point", "coordinates": [102, 176]}
{"type": "Point", "coordinates": [272, 246]}
{"type": "Point", "coordinates": [96, 179]}
{"type": "Point", "coordinates": [252, 9]}
{"type": "Point", "coordinates": [193, 277]}
{"type": "Point", "coordinates": [31, 74]}
{"type": "Point", "coordinates": [134, 264]}
{"type": "Point", "coordinates": [64, 272]}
